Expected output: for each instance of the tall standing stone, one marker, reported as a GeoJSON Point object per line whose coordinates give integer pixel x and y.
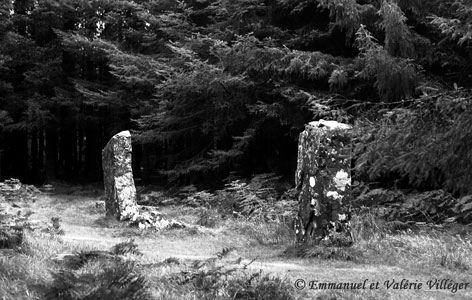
{"type": "Point", "coordinates": [118, 177]}
{"type": "Point", "coordinates": [323, 178]}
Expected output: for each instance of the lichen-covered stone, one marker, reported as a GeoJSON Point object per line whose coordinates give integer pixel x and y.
{"type": "Point", "coordinates": [323, 179]}
{"type": "Point", "coordinates": [150, 217]}
{"type": "Point", "coordinates": [118, 177]}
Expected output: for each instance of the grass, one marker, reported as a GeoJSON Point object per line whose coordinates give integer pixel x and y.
{"type": "Point", "coordinates": [426, 251]}
{"type": "Point", "coordinates": [125, 273]}
{"type": "Point", "coordinates": [24, 274]}
{"type": "Point", "coordinates": [188, 263]}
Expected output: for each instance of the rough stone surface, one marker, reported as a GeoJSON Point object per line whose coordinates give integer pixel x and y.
{"type": "Point", "coordinates": [323, 179]}
{"type": "Point", "coordinates": [118, 177]}
{"type": "Point", "coordinates": [150, 217]}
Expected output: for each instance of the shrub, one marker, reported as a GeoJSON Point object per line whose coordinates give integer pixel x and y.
{"type": "Point", "coordinates": [128, 247]}
{"type": "Point", "coordinates": [207, 218]}
{"type": "Point", "coordinates": [257, 199]}
{"type": "Point", "coordinates": [99, 275]}
{"type": "Point", "coordinates": [261, 287]}
{"type": "Point", "coordinates": [209, 280]}
{"type": "Point", "coordinates": [426, 142]}
{"type": "Point", "coordinates": [106, 280]}
{"type": "Point", "coordinates": [11, 236]}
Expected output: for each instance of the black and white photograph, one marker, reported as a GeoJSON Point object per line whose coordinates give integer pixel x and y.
{"type": "Point", "coordinates": [235, 149]}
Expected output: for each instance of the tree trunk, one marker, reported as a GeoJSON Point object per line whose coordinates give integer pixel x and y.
{"type": "Point", "coordinates": [42, 172]}
{"type": "Point", "coordinates": [136, 161]}
{"type": "Point", "coordinates": [65, 153]}
{"type": "Point", "coordinates": [146, 176]}
{"type": "Point", "coordinates": [16, 154]}
{"type": "Point", "coordinates": [75, 152]}
{"type": "Point", "coordinates": [34, 156]}
{"type": "Point", "coordinates": [52, 164]}
{"type": "Point", "coordinates": [91, 149]}
{"type": "Point", "coordinates": [80, 145]}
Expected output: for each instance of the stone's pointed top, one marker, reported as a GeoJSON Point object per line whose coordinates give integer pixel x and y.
{"type": "Point", "coordinates": [331, 125]}
{"type": "Point", "coordinates": [124, 133]}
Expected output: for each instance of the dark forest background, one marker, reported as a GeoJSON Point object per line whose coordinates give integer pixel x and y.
{"type": "Point", "coordinates": [218, 88]}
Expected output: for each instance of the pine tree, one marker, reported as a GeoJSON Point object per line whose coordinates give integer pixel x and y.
{"type": "Point", "coordinates": [211, 86]}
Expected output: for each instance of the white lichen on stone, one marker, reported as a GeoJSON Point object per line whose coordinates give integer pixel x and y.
{"type": "Point", "coordinates": [334, 195]}
{"type": "Point", "coordinates": [312, 181]}
{"type": "Point", "coordinates": [341, 180]}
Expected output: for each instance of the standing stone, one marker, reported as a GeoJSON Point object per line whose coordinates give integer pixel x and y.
{"type": "Point", "coordinates": [323, 179]}
{"type": "Point", "coordinates": [118, 177]}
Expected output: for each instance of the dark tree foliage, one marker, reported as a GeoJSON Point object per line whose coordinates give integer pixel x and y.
{"type": "Point", "coordinates": [215, 86]}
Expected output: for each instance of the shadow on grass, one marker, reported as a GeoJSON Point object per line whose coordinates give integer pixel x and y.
{"type": "Point", "coordinates": [324, 252]}
{"type": "Point", "coordinates": [109, 222]}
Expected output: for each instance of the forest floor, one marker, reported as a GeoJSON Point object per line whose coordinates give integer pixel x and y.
{"type": "Point", "coordinates": [415, 257]}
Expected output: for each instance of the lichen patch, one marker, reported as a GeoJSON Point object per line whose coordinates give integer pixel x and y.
{"type": "Point", "coordinates": [341, 180]}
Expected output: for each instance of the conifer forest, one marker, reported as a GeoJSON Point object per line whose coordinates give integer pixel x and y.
{"type": "Point", "coordinates": [216, 88]}
{"type": "Point", "coordinates": [235, 149]}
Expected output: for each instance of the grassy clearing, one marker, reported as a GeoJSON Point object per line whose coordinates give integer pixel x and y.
{"type": "Point", "coordinates": [122, 272]}
{"type": "Point", "coordinates": [189, 263]}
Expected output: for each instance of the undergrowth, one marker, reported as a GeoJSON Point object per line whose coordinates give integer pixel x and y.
{"type": "Point", "coordinates": [377, 242]}
{"type": "Point", "coordinates": [48, 268]}
{"type": "Point", "coordinates": [217, 278]}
